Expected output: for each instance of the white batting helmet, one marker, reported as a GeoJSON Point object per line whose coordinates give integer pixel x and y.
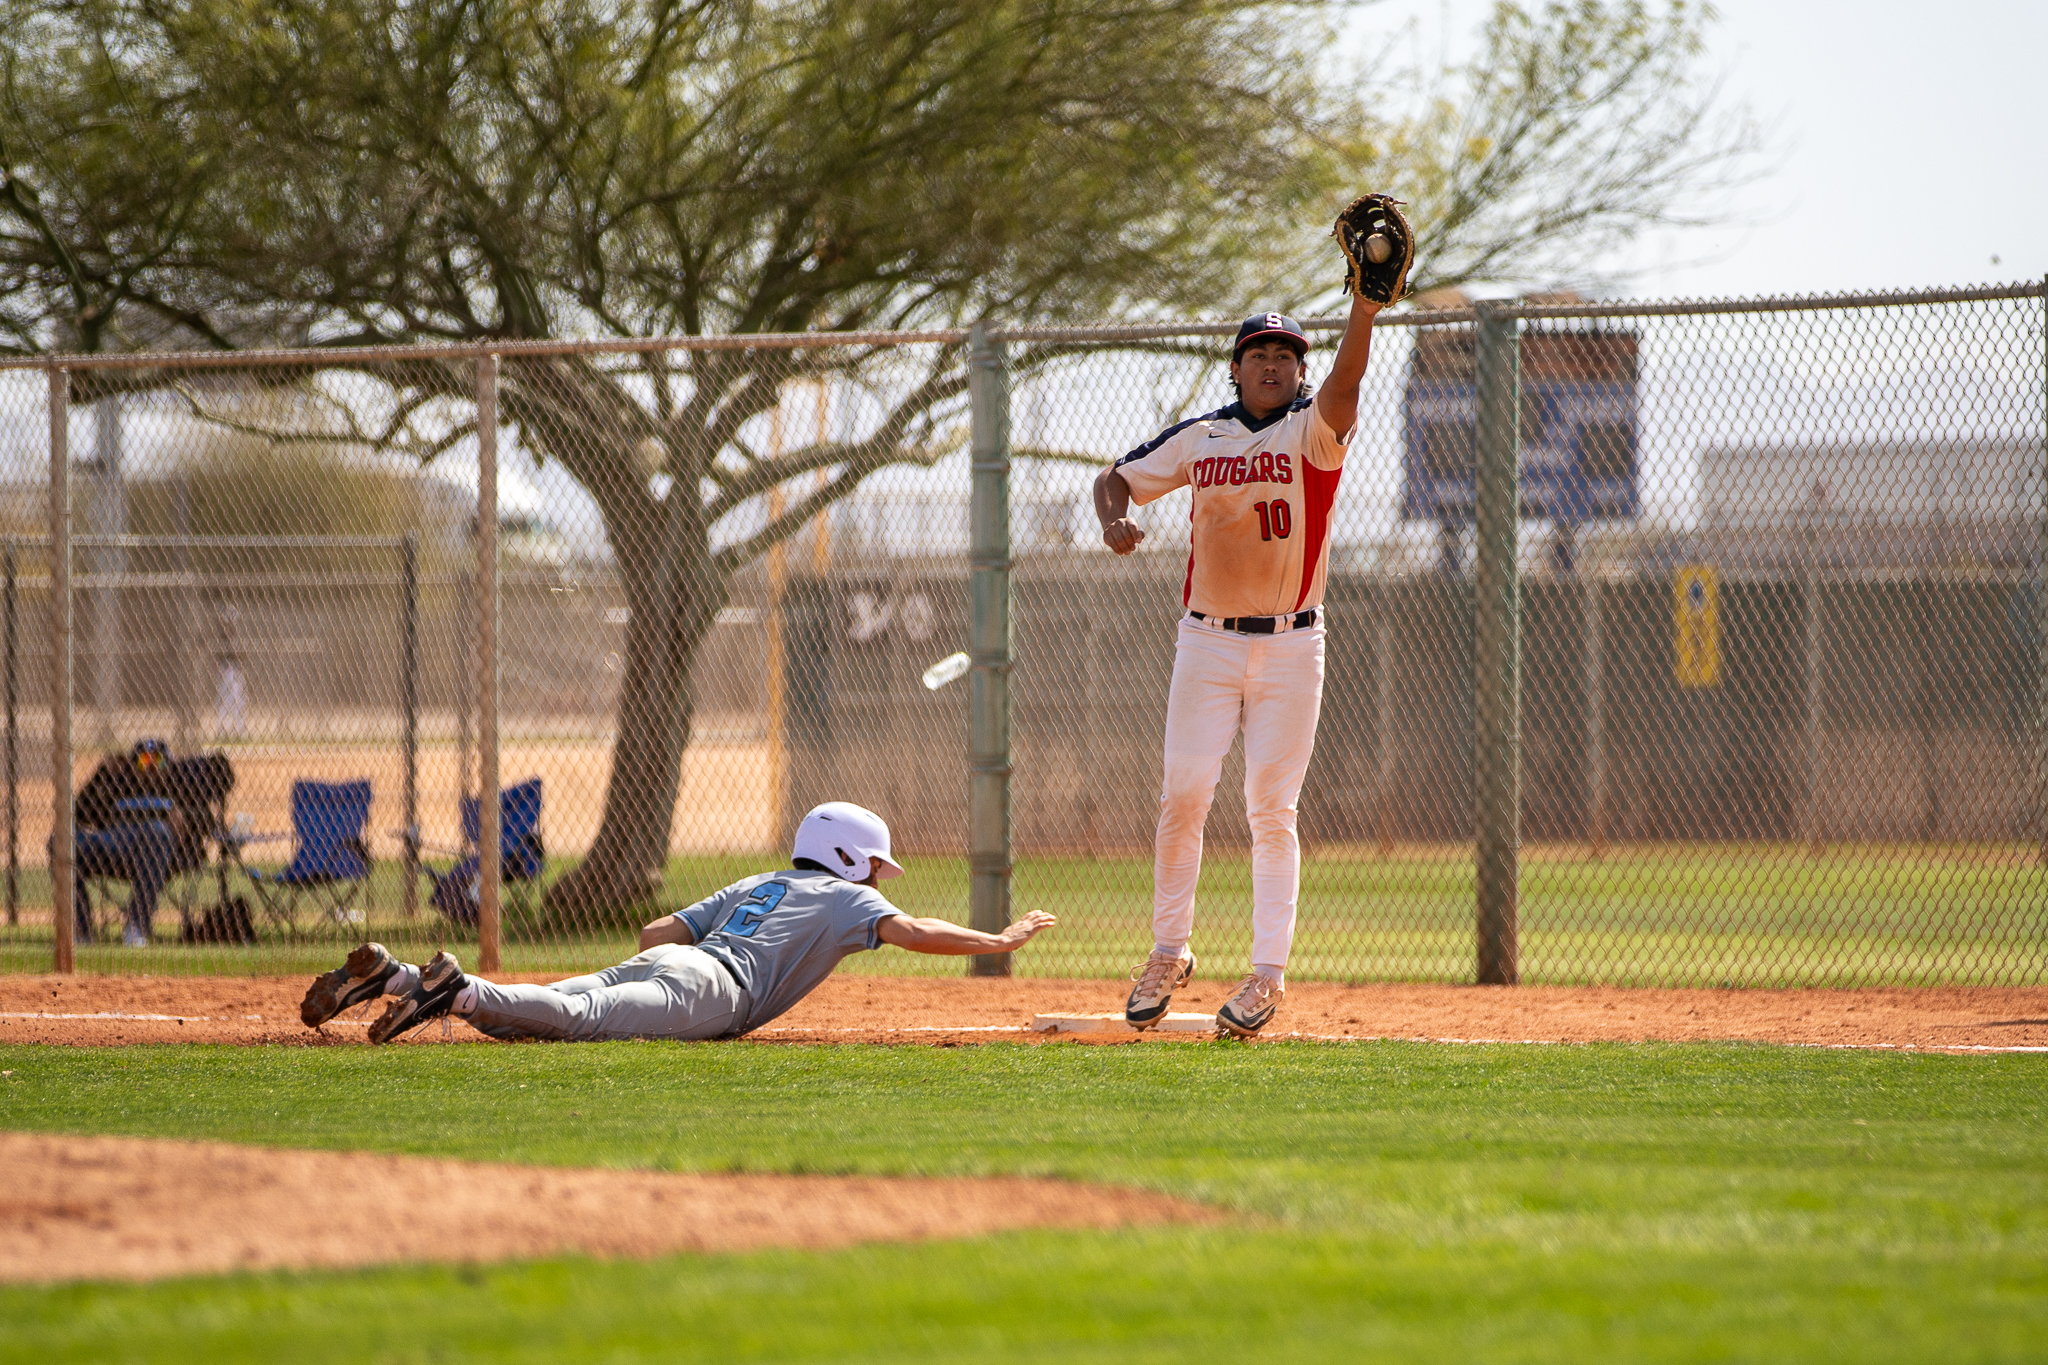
{"type": "Point", "coordinates": [847, 840]}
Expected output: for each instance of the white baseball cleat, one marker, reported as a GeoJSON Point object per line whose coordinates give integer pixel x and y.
{"type": "Point", "coordinates": [1249, 1007]}
{"type": "Point", "coordinates": [1158, 977]}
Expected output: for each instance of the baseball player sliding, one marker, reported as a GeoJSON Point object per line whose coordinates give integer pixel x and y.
{"type": "Point", "coordinates": [729, 963]}
{"type": "Point", "coordinates": [1249, 655]}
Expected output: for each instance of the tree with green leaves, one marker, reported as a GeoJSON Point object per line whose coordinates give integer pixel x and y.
{"type": "Point", "coordinates": [346, 173]}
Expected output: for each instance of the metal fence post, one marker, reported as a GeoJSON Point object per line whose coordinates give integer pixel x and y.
{"type": "Point", "coordinates": [988, 388]}
{"type": "Point", "coordinates": [62, 831]}
{"type": "Point", "coordinates": [409, 705]}
{"type": "Point", "coordinates": [465, 685]}
{"type": "Point", "coordinates": [1813, 663]}
{"type": "Point", "coordinates": [489, 888]}
{"type": "Point", "coordinates": [1497, 669]}
{"type": "Point", "coordinates": [1383, 720]}
{"type": "Point", "coordinates": [13, 739]}
{"type": "Point", "coordinates": [1596, 715]}
{"type": "Point", "coordinates": [2040, 621]}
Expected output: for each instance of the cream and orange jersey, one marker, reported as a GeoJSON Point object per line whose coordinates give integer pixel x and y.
{"type": "Point", "coordinates": [1262, 495]}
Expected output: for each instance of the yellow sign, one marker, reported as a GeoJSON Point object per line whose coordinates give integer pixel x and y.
{"type": "Point", "coordinates": [1696, 627]}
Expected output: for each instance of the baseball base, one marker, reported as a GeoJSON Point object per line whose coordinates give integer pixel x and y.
{"type": "Point", "coordinates": [1114, 1023]}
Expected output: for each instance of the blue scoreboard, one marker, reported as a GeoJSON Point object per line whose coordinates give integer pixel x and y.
{"type": "Point", "coordinates": [1578, 426]}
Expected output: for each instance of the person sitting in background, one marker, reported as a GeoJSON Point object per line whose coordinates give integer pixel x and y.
{"type": "Point", "coordinates": [140, 817]}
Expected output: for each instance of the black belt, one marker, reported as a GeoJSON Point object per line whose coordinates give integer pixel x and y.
{"type": "Point", "coordinates": [1260, 625]}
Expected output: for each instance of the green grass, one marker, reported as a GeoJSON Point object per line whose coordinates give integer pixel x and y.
{"type": "Point", "coordinates": [1669, 915]}
{"type": "Point", "coordinates": [1397, 1202]}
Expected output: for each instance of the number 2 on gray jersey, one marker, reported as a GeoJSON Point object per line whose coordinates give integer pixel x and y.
{"type": "Point", "coordinates": [751, 911]}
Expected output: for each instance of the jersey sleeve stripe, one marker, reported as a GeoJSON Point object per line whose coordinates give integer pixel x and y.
{"type": "Point", "coordinates": [1163, 437]}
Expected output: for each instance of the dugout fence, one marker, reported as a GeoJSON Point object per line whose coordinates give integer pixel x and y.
{"type": "Point", "coordinates": [1672, 643]}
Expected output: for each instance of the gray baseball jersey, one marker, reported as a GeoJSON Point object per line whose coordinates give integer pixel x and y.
{"type": "Point", "coordinates": [782, 933]}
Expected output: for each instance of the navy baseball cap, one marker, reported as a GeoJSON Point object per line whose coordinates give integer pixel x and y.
{"type": "Point", "coordinates": [1266, 325]}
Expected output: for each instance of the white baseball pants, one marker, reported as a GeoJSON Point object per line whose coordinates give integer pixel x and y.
{"type": "Point", "coordinates": [1271, 686]}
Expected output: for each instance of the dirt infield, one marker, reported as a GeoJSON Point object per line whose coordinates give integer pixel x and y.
{"type": "Point", "coordinates": [112, 1011]}
{"type": "Point", "coordinates": [132, 1209]}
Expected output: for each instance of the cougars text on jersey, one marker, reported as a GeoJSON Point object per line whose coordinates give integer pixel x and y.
{"type": "Point", "coordinates": [1261, 509]}
{"type": "Point", "coordinates": [1239, 470]}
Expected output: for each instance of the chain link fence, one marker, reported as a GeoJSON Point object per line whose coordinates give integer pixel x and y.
{"type": "Point", "coordinates": [1772, 712]}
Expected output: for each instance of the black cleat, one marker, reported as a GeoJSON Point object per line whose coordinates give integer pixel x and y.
{"type": "Point", "coordinates": [363, 977]}
{"type": "Point", "coordinates": [440, 980]}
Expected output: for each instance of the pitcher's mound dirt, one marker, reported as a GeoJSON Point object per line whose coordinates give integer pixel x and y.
{"type": "Point", "coordinates": [949, 1011]}
{"type": "Point", "coordinates": [130, 1209]}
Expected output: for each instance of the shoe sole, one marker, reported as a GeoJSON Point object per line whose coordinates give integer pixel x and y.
{"type": "Point", "coordinates": [1142, 1024]}
{"type": "Point", "coordinates": [332, 992]}
{"type": "Point", "coordinates": [440, 967]}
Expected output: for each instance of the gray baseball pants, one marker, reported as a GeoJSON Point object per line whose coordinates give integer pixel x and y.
{"type": "Point", "coordinates": [673, 991]}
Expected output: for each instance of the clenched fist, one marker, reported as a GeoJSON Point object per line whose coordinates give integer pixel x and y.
{"type": "Point", "coordinates": [1122, 535]}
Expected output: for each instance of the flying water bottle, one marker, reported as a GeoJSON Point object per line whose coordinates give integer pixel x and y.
{"type": "Point", "coordinates": [946, 669]}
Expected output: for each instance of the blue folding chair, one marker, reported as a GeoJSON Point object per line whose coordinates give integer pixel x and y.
{"type": "Point", "coordinates": [330, 864]}
{"type": "Point", "coordinates": [522, 857]}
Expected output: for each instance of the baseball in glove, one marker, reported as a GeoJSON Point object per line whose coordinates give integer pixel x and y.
{"type": "Point", "coordinates": [1378, 248]}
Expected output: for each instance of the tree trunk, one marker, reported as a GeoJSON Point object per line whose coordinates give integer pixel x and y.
{"type": "Point", "coordinates": [673, 593]}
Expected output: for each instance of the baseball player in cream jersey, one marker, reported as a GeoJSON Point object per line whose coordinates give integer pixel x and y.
{"type": "Point", "coordinates": [730, 963]}
{"type": "Point", "coordinates": [1264, 474]}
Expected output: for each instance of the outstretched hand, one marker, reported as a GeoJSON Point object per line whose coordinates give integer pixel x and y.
{"type": "Point", "coordinates": [1021, 931]}
{"type": "Point", "coordinates": [927, 935]}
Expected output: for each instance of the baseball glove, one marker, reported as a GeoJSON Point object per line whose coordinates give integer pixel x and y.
{"type": "Point", "coordinates": [1375, 215]}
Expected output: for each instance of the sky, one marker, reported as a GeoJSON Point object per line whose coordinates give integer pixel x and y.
{"type": "Point", "coordinates": [1906, 144]}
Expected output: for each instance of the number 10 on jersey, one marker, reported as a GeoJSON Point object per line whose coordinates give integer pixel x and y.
{"type": "Point", "coordinates": [1275, 519]}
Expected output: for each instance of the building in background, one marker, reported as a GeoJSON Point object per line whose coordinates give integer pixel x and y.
{"type": "Point", "coordinates": [1871, 504]}
{"type": "Point", "coordinates": [1577, 438]}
